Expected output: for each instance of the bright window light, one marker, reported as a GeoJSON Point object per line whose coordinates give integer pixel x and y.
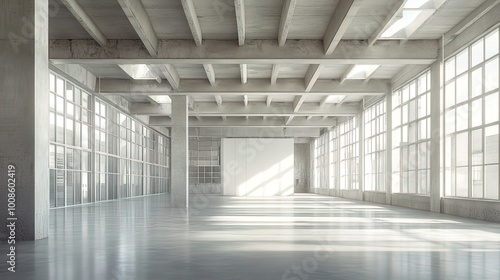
{"type": "Point", "coordinates": [161, 99]}
{"type": "Point", "coordinates": [415, 4]}
{"type": "Point", "coordinates": [408, 17]}
{"type": "Point", "coordinates": [362, 71]}
{"type": "Point", "coordinates": [335, 99]}
{"type": "Point", "coordinates": [138, 71]}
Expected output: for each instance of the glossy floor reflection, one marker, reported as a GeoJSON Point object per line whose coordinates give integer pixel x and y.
{"type": "Point", "coordinates": [300, 237]}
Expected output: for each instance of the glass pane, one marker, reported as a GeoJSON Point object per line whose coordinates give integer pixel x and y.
{"type": "Point", "coordinates": [450, 94]}
{"type": "Point", "coordinates": [52, 156]}
{"type": "Point", "coordinates": [477, 182]}
{"type": "Point", "coordinates": [60, 105]}
{"type": "Point", "coordinates": [422, 106]}
{"type": "Point", "coordinates": [477, 82]}
{"type": "Point", "coordinates": [69, 132]}
{"type": "Point", "coordinates": [60, 157]}
{"type": "Point", "coordinates": [491, 181]}
{"type": "Point", "coordinates": [52, 129]}
{"type": "Point", "coordinates": [491, 110]}
{"type": "Point", "coordinates": [462, 182]}
{"type": "Point", "coordinates": [60, 128]}
{"type": "Point", "coordinates": [422, 129]}
{"type": "Point", "coordinates": [462, 117]}
{"type": "Point", "coordinates": [52, 101]}
{"type": "Point", "coordinates": [450, 68]}
{"type": "Point", "coordinates": [463, 61]}
{"type": "Point", "coordinates": [491, 73]}
{"type": "Point", "coordinates": [477, 112]}
{"type": "Point", "coordinates": [60, 86]}
{"type": "Point", "coordinates": [60, 180]}
{"type": "Point", "coordinates": [52, 82]}
{"type": "Point", "coordinates": [450, 121]}
{"type": "Point", "coordinates": [462, 151]}
{"type": "Point", "coordinates": [491, 145]}
{"type": "Point", "coordinates": [491, 42]}
{"type": "Point", "coordinates": [477, 147]}
{"type": "Point", "coordinates": [462, 88]}
{"type": "Point", "coordinates": [70, 92]}
{"type": "Point", "coordinates": [477, 52]}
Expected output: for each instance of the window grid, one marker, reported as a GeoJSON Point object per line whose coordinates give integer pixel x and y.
{"type": "Point", "coordinates": [204, 160]}
{"type": "Point", "coordinates": [130, 159]}
{"type": "Point", "coordinates": [375, 147]}
{"type": "Point", "coordinates": [411, 137]}
{"type": "Point", "coordinates": [349, 154]}
{"type": "Point", "coordinates": [471, 120]}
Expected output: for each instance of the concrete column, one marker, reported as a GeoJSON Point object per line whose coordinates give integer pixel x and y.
{"type": "Point", "coordinates": [436, 192]}
{"type": "Point", "coordinates": [180, 142]}
{"type": "Point", "coordinates": [24, 115]}
{"type": "Point", "coordinates": [361, 125]}
{"type": "Point", "coordinates": [388, 142]}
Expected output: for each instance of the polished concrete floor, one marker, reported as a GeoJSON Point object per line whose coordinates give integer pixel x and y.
{"type": "Point", "coordinates": [296, 238]}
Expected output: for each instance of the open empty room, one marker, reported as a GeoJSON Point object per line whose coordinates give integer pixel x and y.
{"type": "Point", "coordinates": [249, 139]}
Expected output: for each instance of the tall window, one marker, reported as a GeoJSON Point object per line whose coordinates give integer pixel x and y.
{"type": "Point", "coordinates": [375, 143]}
{"type": "Point", "coordinates": [204, 160]}
{"type": "Point", "coordinates": [70, 153]}
{"type": "Point", "coordinates": [130, 159]}
{"type": "Point", "coordinates": [471, 120]}
{"type": "Point", "coordinates": [411, 137]}
{"type": "Point", "coordinates": [334, 153]}
{"type": "Point", "coordinates": [349, 154]}
{"type": "Point", "coordinates": [321, 161]}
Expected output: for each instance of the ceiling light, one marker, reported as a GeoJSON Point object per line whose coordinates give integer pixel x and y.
{"type": "Point", "coordinates": [138, 71]}
{"type": "Point", "coordinates": [362, 71]}
{"type": "Point", "coordinates": [161, 99]}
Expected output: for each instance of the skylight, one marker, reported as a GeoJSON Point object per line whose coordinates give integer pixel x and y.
{"type": "Point", "coordinates": [362, 71]}
{"type": "Point", "coordinates": [138, 71]}
{"type": "Point", "coordinates": [335, 99]}
{"type": "Point", "coordinates": [409, 16]}
{"type": "Point", "coordinates": [415, 4]}
{"type": "Point", "coordinates": [161, 99]}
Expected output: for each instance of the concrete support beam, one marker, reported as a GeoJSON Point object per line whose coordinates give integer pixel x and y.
{"type": "Point", "coordinates": [209, 70]}
{"type": "Point", "coordinates": [250, 132]}
{"type": "Point", "coordinates": [139, 18]}
{"type": "Point", "coordinates": [253, 52]}
{"type": "Point", "coordinates": [179, 140]}
{"type": "Point", "coordinates": [74, 7]}
{"type": "Point", "coordinates": [192, 19]}
{"type": "Point", "coordinates": [393, 14]}
{"type": "Point", "coordinates": [343, 16]}
{"type": "Point", "coordinates": [171, 75]}
{"type": "Point", "coordinates": [269, 100]}
{"type": "Point", "coordinates": [245, 100]}
{"type": "Point", "coordinates": [286, 21]}
{"type": "Point", "coordinates": [297, 102]}
{"type": "Point", "coordinates": [24, 107]}
{"type": "Point", "coordinates": [470, 19]}
{"type": "Point", "coordinates": [218, 100]}
{"type": "Point", "coordinates": [253, 87]}
{"type": "Point", "coordinates": [312, 76]}
{"type": "Point", "coordinates": [255, 109]}
{"type": "Point", "coordinates": [244, 73]}
{"type": "Point", "coordinates": [239, 6]}
{"type": "Point", "coordinates": [289, 120]}
{"type": "Point", "coordinates": [436, 192]}
{"type": "Point", "coordinates": [275, 73]}
{"type": "Point", "coordinates": [167, 122]}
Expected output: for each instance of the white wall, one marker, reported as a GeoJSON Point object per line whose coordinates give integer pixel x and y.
{"type": "Point", "coordinates": [258, 167]}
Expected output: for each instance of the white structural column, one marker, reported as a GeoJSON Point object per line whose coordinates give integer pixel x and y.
{"type": "Point", "coordinates": [436, 192]}
{"type": "Point", "coordinates": [24, 115]}
{"type": "Point", "coordinates": [388, 151]}
{"type": "Point", "coordinates": [361, 121]}
{"type": "Point", "coordinates": [180, 140]}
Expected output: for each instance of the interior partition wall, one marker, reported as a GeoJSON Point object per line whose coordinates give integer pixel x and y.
{"type": "Point", "coordinates": [99, 152]}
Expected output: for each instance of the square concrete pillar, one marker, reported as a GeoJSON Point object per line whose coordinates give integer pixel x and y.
{"type": "Point", "coordinates": [179, 146]}
{"type": "Point", "coordinates": [24, 115]}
